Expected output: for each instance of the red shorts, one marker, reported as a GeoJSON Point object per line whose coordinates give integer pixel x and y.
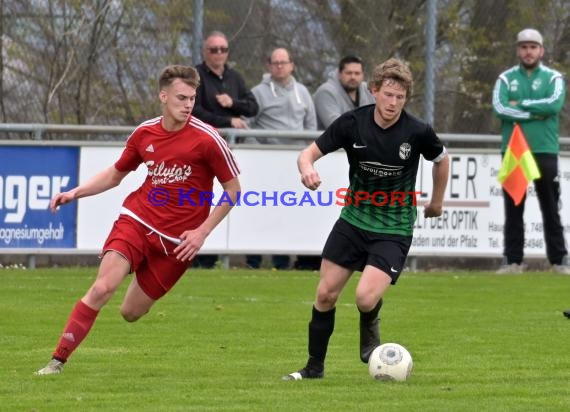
{"type": "Point", "coordinates": [151, 257]}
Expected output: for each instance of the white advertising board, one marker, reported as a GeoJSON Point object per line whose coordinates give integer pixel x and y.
{"type": "Point", "coordinates": [472, 222]}
{"type": "Point", "coordinates": [277, 214]}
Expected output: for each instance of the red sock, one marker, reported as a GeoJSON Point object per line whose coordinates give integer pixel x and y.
{"type": "Point", "coordinates": [78, 325]}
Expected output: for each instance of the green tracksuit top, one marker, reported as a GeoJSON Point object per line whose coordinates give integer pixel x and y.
{"type": "Point", "coordinates": [540, 97]}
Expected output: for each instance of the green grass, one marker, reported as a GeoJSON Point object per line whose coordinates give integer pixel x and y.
{"type": "Point", "coordinates": [221, 340]}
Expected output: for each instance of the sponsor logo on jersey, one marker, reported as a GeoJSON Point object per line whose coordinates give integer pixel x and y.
{"type": "Point", "coordinates": [162, 174]}
{"type": "Point", "coordinates": [379, 169]}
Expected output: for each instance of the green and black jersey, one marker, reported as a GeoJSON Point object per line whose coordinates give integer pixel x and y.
{"type": "Point", "coordinates": [383, 167]}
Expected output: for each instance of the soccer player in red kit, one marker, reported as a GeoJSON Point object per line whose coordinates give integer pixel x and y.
{"type": "Point", "coordinates": [162, 224]}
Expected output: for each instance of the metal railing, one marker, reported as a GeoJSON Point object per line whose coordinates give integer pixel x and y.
{"type": "Point", "coordinates": [39, 132]}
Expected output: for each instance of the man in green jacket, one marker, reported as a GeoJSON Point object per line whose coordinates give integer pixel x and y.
{"type": "Point", "coordinates": [532, 95]}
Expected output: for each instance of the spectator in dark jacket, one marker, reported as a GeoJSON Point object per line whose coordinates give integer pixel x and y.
{"type": "Point", "coordinates": [221, 99]}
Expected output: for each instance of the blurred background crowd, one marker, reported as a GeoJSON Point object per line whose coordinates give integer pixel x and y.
{"type": "Point", "coordinates": [76, 62]}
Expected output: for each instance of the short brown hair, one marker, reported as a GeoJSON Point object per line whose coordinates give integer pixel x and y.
{"type": "Point", "coordinates": [396, 70]}
{"type": "Point", "coordinates": [187, 74]}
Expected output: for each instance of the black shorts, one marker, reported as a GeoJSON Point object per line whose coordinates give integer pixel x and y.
{"type": "Point", "coordinates": [354, 248]}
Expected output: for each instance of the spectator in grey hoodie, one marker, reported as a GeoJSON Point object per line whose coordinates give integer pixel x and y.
{"type": "Point", "coordinates": [344, 90]}
{"type": "Point", "coordinates": [284, 104]}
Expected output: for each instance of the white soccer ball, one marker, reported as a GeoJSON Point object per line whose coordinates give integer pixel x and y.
{"type": "Point", "coordinates": [390, 362]}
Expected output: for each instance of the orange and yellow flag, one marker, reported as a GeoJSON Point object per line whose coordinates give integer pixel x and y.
{"type": "Point", "coordinates": [519, 167]}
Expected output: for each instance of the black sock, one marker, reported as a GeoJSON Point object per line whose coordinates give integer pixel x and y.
{"type": "Point", "coordinates": [321, 328]}
{"type": "Point", "coordinates": [366, 317]}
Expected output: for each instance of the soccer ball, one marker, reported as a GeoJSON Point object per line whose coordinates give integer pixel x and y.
{"type": "Point", "coordinates": [390, 362]}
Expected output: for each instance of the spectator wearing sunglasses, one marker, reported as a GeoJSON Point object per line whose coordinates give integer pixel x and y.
{"type": "Point", "coordinates": [222, 97]}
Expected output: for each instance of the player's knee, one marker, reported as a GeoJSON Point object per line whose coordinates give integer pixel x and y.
{"type": "Point", "coordinates": [326, 298]}
{"type": "Point", "coordinates": [366, 301]}
{"type": "Point", "coordinates": [364, 306]}
{"type": "Point", "coordinates": [100, 292]}
{"type": "Point", "coordinates": [131, 315]}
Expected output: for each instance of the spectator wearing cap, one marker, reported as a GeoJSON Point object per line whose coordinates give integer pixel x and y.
{"type": "Point", "coordinates": [532, 95]}
{"type": "Point", "coordinates": [344, 90]}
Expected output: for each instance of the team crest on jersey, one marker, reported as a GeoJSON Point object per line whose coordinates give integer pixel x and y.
{"type": "Point", "coordinates": [514, 86]}
{"type": "Point", "coordinates": [405, 151]}
{"type": "Point", "coordinates": [536, 84]}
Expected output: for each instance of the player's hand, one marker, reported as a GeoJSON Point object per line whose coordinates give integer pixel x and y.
{"type": "Point", "coordinates": [191, 241]}
{"type": "Point", "coordinates": [311, 180]}
{"type": "Point", "coordinates": [433, 210]}
{"type": "Point", "coordinates": [60, 199]}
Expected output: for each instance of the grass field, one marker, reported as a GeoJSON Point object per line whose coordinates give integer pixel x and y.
{"type": "Point", "coordinates": [221, 340]}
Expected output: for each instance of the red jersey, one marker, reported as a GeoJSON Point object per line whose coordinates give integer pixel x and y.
{"type": "Point", "coordinates": [181, 169]}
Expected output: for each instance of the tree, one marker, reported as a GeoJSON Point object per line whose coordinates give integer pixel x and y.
{"type": "Point", "coordinates": [70, 61]}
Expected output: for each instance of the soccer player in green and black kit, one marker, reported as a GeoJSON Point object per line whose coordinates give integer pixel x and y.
{"type": "Point", "coordinates": [383, 144]}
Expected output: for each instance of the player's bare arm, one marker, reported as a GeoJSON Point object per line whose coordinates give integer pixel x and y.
{"type": "Point", "coordinates": [101, 182]}
{"type": "Point", "coordinates": [440, 175]}
{"type": "Point", "coordinates": [193, 240]}
{"type": "Point", "coordinates": [305, 162]}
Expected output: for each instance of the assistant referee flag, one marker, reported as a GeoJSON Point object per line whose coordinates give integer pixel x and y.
{"type": "Point", "coordinates": [519, 167]}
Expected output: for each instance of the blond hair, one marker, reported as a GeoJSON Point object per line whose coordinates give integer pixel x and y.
{"type": "Point", "coordinates": [395, 70]}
